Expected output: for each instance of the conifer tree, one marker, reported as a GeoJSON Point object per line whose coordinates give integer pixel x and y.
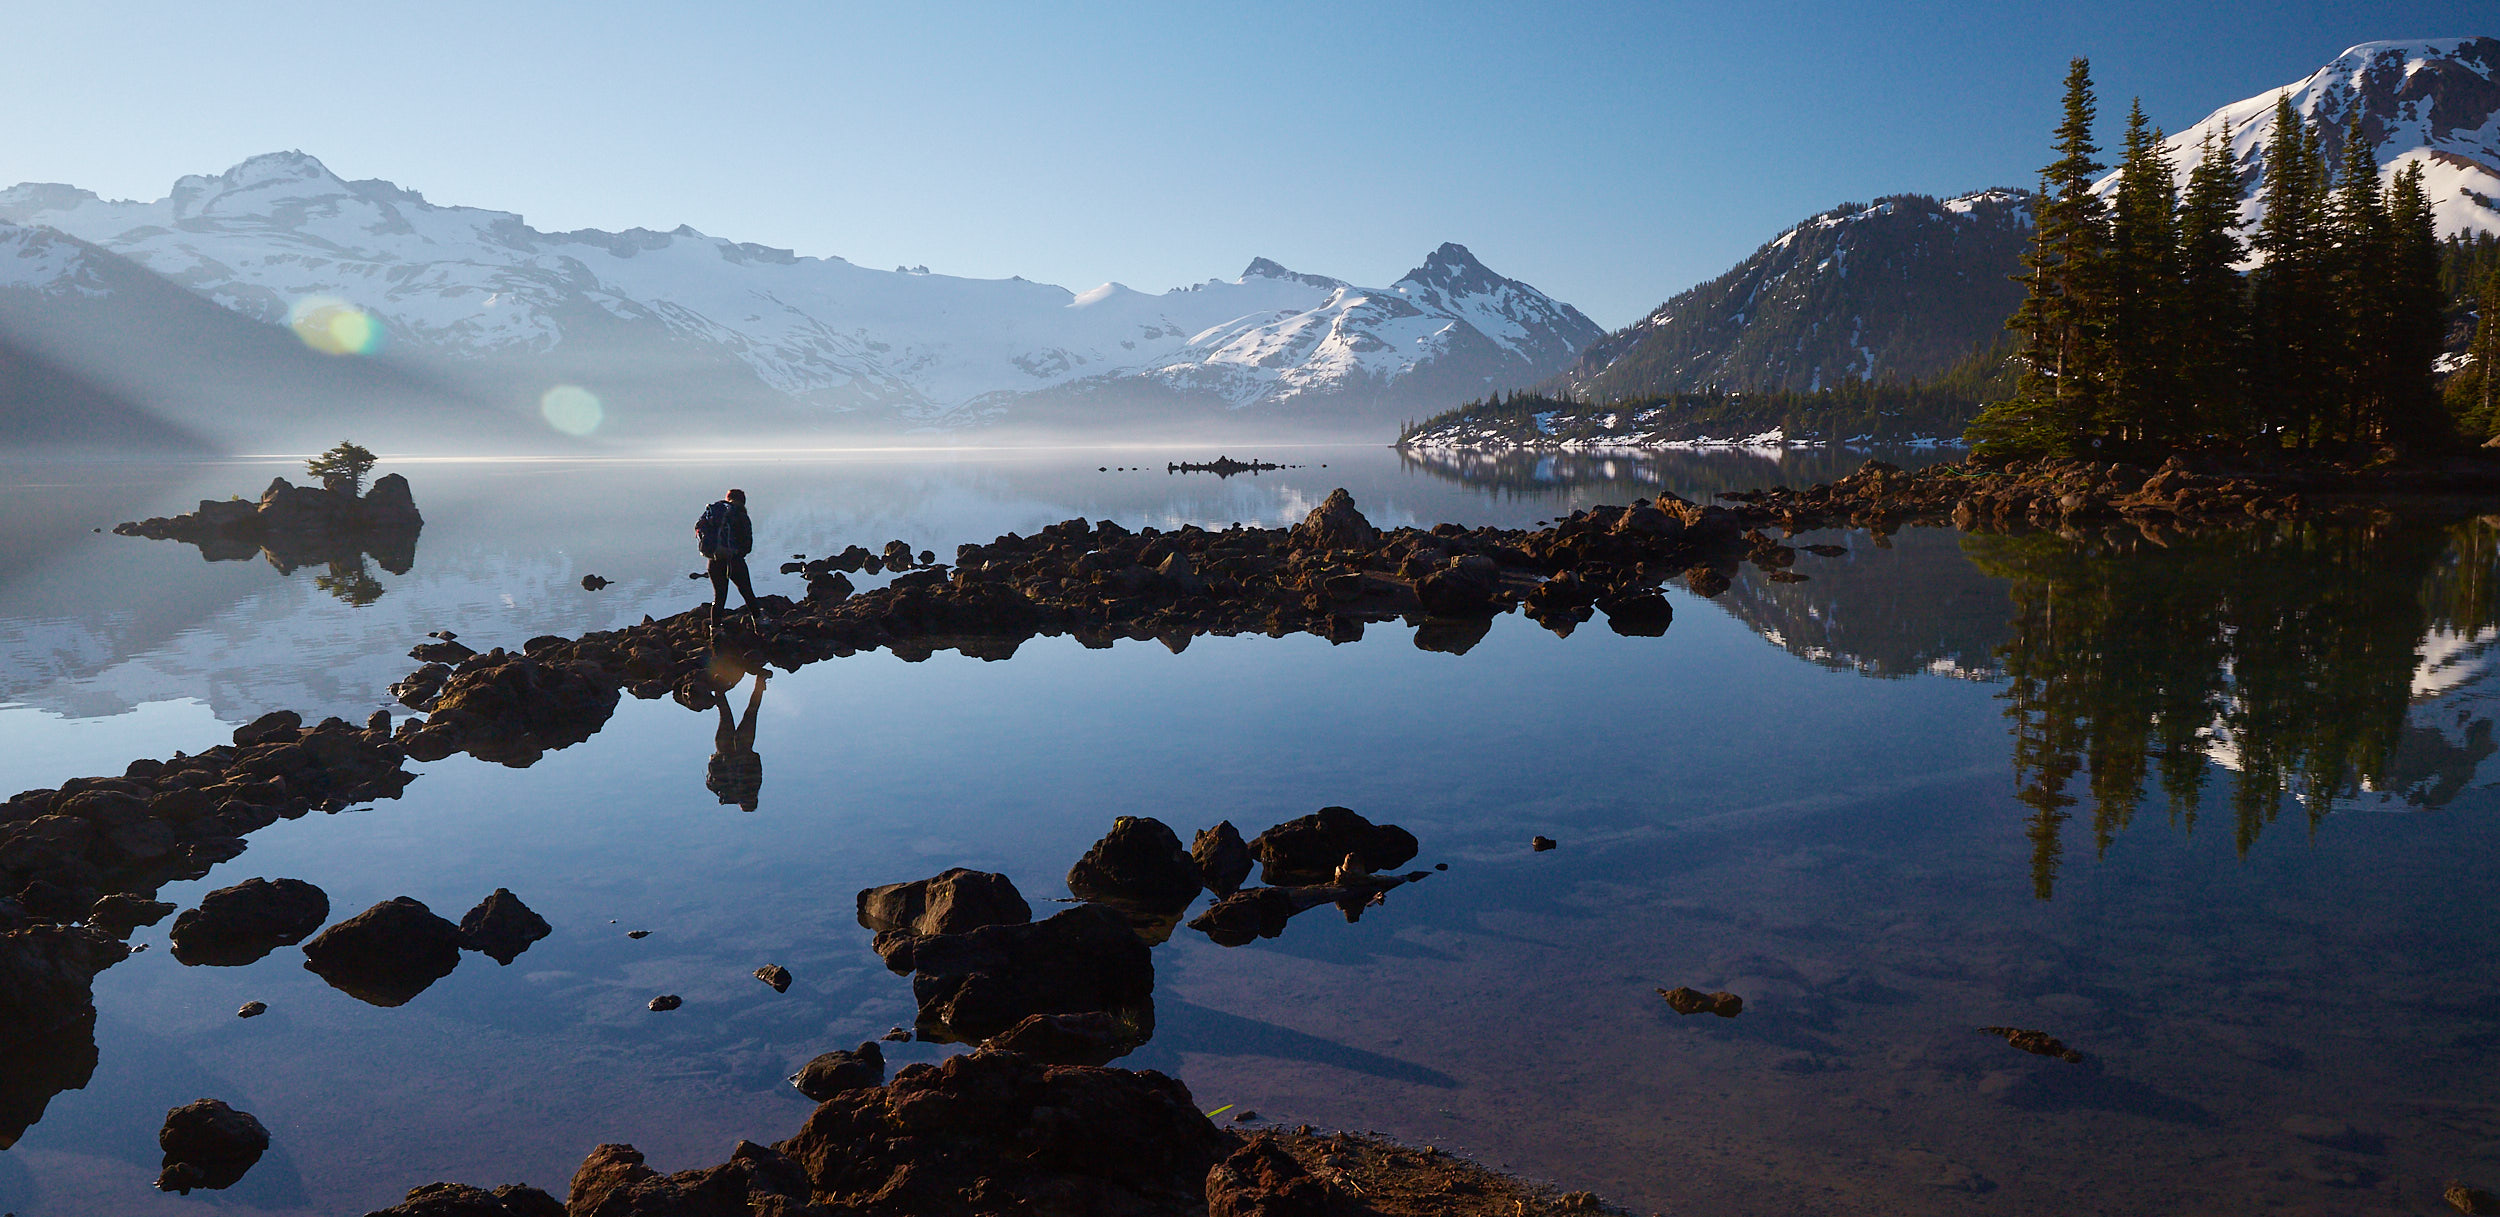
{"type": "Point", "coordinates": [2296, 314]}
{"type": "Point", "coordinates": [2417, 309]}
{"type": "Point", "coordinates": [2142, 407]}
{"type": "Point", "coordinates": [2061, 320]}
{"type": "Point", "coordinates": [2482, 358]}
{"type": "Point", "coordinates": [2213, 306]}
{"type": "Point", "coordinates": [2363, 281]}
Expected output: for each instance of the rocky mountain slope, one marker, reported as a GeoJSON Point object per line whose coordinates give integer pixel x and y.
{"type": "Point", "coordinates": [1907, 286]}
{"type": "Point", "coordinates": [652, 320]}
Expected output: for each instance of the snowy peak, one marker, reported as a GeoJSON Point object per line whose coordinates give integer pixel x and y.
{"type": "Point", "coordinates": [467, 286]}
{"type": "Point", "coordinates": [1262, 268]}
{"type": "Point", "coordinates": [2435, 101]}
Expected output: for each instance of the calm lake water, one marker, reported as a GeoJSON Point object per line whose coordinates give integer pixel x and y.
{"type": "Point", "coordinates": [2215, 810]}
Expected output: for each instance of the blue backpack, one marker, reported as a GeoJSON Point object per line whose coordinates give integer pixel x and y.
{"type": "Point", "coordinates": [711, 530]}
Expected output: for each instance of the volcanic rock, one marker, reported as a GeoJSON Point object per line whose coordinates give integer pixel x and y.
{"type": "Point", "coordinates": [613, 1182]}
{"type": "Point", "coordinates": [1092, 1038]}
{"type": "Point", "coordinates": [1335, 524]}
{"type": "Point", "coordinates": [1311, 849]}
{"type": "Point", "coordinates": [834, 1072]}
{"type": "Point", "coordinates": [998, 1133]}
{"type": "Point", "coordinates": [501, 927]}
{"type": "Point", "coordinates": [1262, 1180]}
{"type": "Point", "coordinates": [208, 1144]}
{"type": "Point", "coordinates": [1223, 858]}
{"type": "Point", "coordinates": [386, 954]}
{"type": "Point", "coordinates": [2037, 1043]}
{"type": "Point", "coordinates": [1693, 1001]}
{"type": "Point", "coordinates": [238, 925]}
{"type": "Point", "coordinates": [775, 975]}
{"type": "Point", "coordinates": [952, 902]}
{"type": "Point", "coordinates": [121, 912]}
{"type": "Point", "coordinates": [462, 1200]}
{"type": "Point", "coordinates": [975, 985]}
{"type": "Point", "coordinates": [1139, 863]}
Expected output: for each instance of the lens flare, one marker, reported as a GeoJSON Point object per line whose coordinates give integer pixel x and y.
{"type": "Point", "coordinates": [334, 327]}
{"type": "Point", "coordinates": [571, 409]}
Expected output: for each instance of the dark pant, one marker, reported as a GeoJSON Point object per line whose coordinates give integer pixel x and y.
{"type": "Point", "coordinates": [726, 569]}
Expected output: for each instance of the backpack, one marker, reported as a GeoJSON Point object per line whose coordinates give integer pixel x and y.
{"type": "Point", "coordinates": [711, 530]}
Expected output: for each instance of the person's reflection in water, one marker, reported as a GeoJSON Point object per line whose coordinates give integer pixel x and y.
{"type": "Point", "coordinates": [735, 773]}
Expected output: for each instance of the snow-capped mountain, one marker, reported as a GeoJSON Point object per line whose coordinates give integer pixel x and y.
{"type": "Point", "coordinates": [1907, 286]}
{"type": "Point", "coordinates": [466, 287]}
{"type": "Point", "coordinates": [2435, 101]}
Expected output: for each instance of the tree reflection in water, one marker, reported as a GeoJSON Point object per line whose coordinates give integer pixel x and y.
{"type": "Point", "coordinates": [2288, 654]}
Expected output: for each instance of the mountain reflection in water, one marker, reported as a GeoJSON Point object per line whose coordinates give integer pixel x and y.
{"type": "Point", "coordinates": [2290, 655]}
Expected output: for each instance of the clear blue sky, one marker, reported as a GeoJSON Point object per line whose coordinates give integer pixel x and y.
{"type": "Point", "coordinates": [1611, 154]}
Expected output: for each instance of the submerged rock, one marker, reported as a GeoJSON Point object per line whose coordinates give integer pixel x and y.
{"type": "Point", "coordinates": [2037, 1043]}
{"type": "Point", "coordinates": [386, 954]}
{"type": "Point", "coordinates": [1693, 1001]}
{"type": "Point", "coordinates": [501, 927]}
{"type": "Point", "coordinates": [241, 924]}
{"type": "Point", "coordinates": [834, 1072]}
{"type": "Point", "coordinates": [208, 1144]}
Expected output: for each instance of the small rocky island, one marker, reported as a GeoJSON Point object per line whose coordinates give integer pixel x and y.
{"type": "Point", "coordinates": [336, 523]}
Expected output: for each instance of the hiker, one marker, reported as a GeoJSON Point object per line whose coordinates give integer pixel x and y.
{"type": "Point", "coordinates": [735, 773]}
{"type": "Point", "coordinates": [724, 534]}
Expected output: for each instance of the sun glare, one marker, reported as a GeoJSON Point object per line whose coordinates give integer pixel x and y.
{"type": "Point", "coordinates": [334, 326]}
{"type": "Point", "coordinates": [571, 409]}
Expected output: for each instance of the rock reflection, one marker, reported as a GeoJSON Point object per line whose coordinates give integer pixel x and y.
{"type": "Point", "coordinates": [2290, 655]}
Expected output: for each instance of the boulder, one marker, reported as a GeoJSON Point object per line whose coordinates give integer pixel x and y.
{"type": "Point", "coordinates": [386, 954]}
{"type": "Point", "coordinates": [1091, 1038]}
{"type": "Point", "coordinates": [462, 1200]}
{"type": "Point", "coordinates": [613, 1182]}
{"type": "Point", "coordinates": [775, 975]}
{"type": "Point", "coordinates": [952, 902]}
{"type": "Point", "coordinates": [1335, 524]}
{"type": "Point", "coordinates": [834, 1072]}
{"type": "Point", "coordinates": [501, 927]}
{"type": "Point", "coordinates": [1261, 1179]}
{"type": "Point", "coordinates": [1313, 848]}
{"type": "Point", "coordinates": [208, 1144]}
{"type": "Point", "coordinates": [275, 726]}
{"type": "Point", "coordinates": [1139, 864]}
{"type": "Point", "coordinates": [998, 1133]}
{"type": "Point", "coordinates": [1464, 588]}
{"type": "Point", "coordinates": [238, 925]}
{"type": "Point", "coordinates": [976, 985]}
{"type": "Point", "coordinates": [516, 709]}
{"type": "Point", "coordinates": [121, 912]}
{"type": "Point", "coordinates": [1223, 858]}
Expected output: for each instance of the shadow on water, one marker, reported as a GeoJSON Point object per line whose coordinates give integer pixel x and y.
{"type": "Point", "coordinates": [1186, 1027]}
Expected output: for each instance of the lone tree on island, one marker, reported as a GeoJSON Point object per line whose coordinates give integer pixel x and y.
{"type": "Point", "coordinates": [342, 468]}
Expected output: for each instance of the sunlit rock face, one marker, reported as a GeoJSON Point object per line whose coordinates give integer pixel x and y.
{"type": "Point", "coordinates": [366, 269]}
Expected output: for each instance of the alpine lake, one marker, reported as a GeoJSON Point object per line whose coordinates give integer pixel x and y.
{"type": "Point", "coordinates": [2216, 809]}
